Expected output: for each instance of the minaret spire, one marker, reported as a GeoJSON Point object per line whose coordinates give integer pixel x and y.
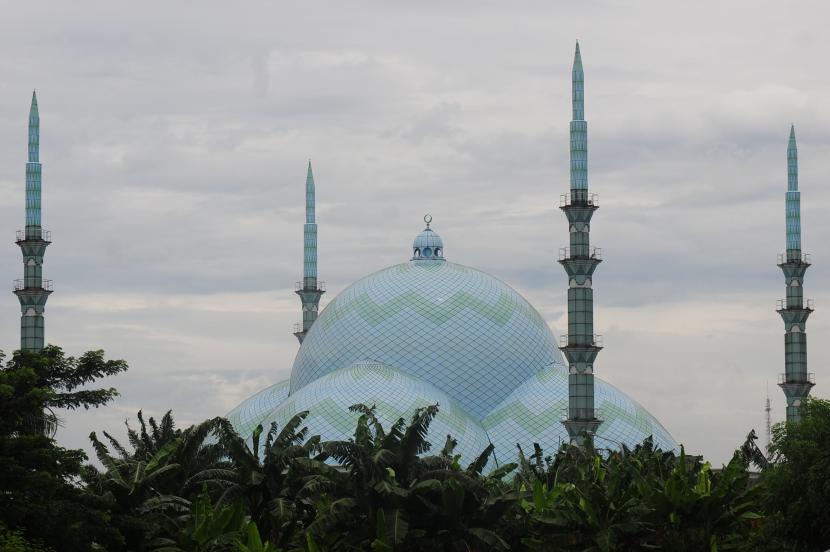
{"type": "Point", "coordinates": [310, 289]}
{"type": "Point", "coordinates": [793, 196]}
{"type": "Point", "coordinates": [580, 345]}
{"type": "Point", "coordinates": [309, 196]}
{"type": "Point", "coordinates": [33, 290]}
{"type": "Point", "coordinates": [796, 382]}
{"type": "Point", "coordinates": [578, 86]}
{"type": "Point", "coordinates": [33, 171]}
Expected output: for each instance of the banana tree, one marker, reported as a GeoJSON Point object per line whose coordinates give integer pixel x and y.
{"type": "Point", "coordinates": [278, 482]}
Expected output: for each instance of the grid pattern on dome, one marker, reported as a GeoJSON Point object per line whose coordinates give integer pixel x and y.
{"type": "Point", "coordinates": [394, 394]}
{"type": "Point", "coordinates": [457, 328]}
{"type": "Point", "coordinates": [534, 411]}
{"type": "Point", "coordinates": [254, 409]}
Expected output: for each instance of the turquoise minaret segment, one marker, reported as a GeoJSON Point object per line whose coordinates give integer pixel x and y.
{"type": "Point", "coordinates": [793, 198]}
{"type": "Point", "coordinates": [796, 382]}
{"type": "Point", "coordinates": [579, 128]}
{"type": "Point", "coordinates": [310, 289]}
{"type": "Point", "coordinates": [33, 172]}
{"type": "Point", "coordinates": [33, 290]}
{"type": "Point", "coordinates": [580, 346]}
{"type": "Point", "coordinates": [309, 232]}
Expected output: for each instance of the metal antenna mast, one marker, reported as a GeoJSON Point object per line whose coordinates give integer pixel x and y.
{"type": "Point", "coordinates": [767, 410]}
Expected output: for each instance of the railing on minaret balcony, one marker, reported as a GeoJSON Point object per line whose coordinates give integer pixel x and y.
{"type": "Point", "coordinates": [577, 340]}
{"type": "Point", "coordinates": [794, 303]}
{"type": "Point", "coordinates": [45, 235]}
{"type": "Point", "coordinates": [309, 284]}
{"type": "Point", "coordinates": [596, 413]}
{"type": "Point", "coordinates": [24, 284]}
{"type": "Point", "coordinates": [566, 253]}
{"type": "Point", "coordinates": [808, 378]}
{"type": "Point", "coordinates": [579, 198]}
{"type": "Point", "coordinates": [794, 258]}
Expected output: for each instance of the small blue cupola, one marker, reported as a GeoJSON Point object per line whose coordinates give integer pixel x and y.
{"type": "Point", "coordinates": [428, 245]}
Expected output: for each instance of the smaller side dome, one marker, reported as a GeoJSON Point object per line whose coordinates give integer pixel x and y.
{"type": "Point", "coordinates": [428, 246]}
{"type": "Point", "coordinates": [395, 394]}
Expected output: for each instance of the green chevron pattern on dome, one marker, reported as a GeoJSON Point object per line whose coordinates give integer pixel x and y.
{"type": "Point", "coordinates": [452, 326]}
{"type": "Point", "coordinates": [375, 313]}
{"type": "Point", "coordinates": [438, 312]}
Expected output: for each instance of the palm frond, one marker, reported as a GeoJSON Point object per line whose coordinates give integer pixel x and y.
{"type": "Point", "coordinates": [113, 474]}
{"type": "Point", "coordinates": [479, 463]}
{"type": "Point", "coordinates": [414, 440]}
{"type": "Point", "coordinates": [125, 455]}
{"type": "Point", "coordinates": [289, 434]}
{"type": "Point", "coordinates": [168, 426]}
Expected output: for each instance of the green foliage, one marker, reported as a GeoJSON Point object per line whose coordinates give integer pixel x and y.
{"type": "Point", "coordinates": [279, 482]}
{"type": "Point", "coordinates": [35, 383]}
{"type": "Point", "coordinates": [204, 528]}
{"type": "Point", "coordinates": [253, 541]}
{"type": "Point", "coordinates": [637, 499]}
{"type": "Point", "coordinates": [14, 541]}
{"type": "Point", "coordinates": [39, 497]}
{"type": "Point", "coordinates": [151, 486]}
{"type": "Point", "coordinates": [796, 486]}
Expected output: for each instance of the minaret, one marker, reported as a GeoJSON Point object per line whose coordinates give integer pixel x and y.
{"type": "Point", "coordinates": [32, 290]}
{"type": "Point", "coordinates": [310, 289]}
{"type": "Point", "coordinates": [795, 381]}
{"type": "Point", "coordinates": [580, 346]}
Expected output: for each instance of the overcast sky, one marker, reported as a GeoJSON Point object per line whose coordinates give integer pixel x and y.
{"type": "Point", "coordinates": [174, 141]}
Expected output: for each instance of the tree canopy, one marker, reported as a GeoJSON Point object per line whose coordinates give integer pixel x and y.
{"type": "Point", "coordinates": [40, 497]}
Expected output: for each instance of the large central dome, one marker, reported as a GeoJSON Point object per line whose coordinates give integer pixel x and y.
{"type": "Point", "coordinates": [455, 327]}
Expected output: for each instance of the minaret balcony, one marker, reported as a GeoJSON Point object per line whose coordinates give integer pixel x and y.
{"type": "Point", "coordinates": [786, 258]}
{"type": "Point", "coordinates": [587, 414]}
{"type": "Point", "coordinates": [566, 340]}
{"type": "Point", "coordinates": [20, 285]}
{"type": "Point", "coordinates": [300, 286]}
{"type": "Point", "coordinates": [45, 235]}
{"type": "Point", "coordinates": [595, 253]}
{"type": "Point", "coordinates": [568, 200]}
{"type": "Point", "coordinates": [783, 304]}
{"type": "Point", "coordinates": [810, 379]}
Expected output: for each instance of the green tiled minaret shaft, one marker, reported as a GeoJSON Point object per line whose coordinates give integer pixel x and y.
{"type": "Point", "coordinates": [580, 346]}
{"type": "Point", "coordinates": [310, 289]}
{"type": "Point", "coordinates": [32, 290]}
{"type": "Point", "coordinates": [796, 382]}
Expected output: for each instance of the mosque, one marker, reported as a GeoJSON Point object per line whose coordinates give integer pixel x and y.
{"type": "Point", "coordinates": [429, 331]}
